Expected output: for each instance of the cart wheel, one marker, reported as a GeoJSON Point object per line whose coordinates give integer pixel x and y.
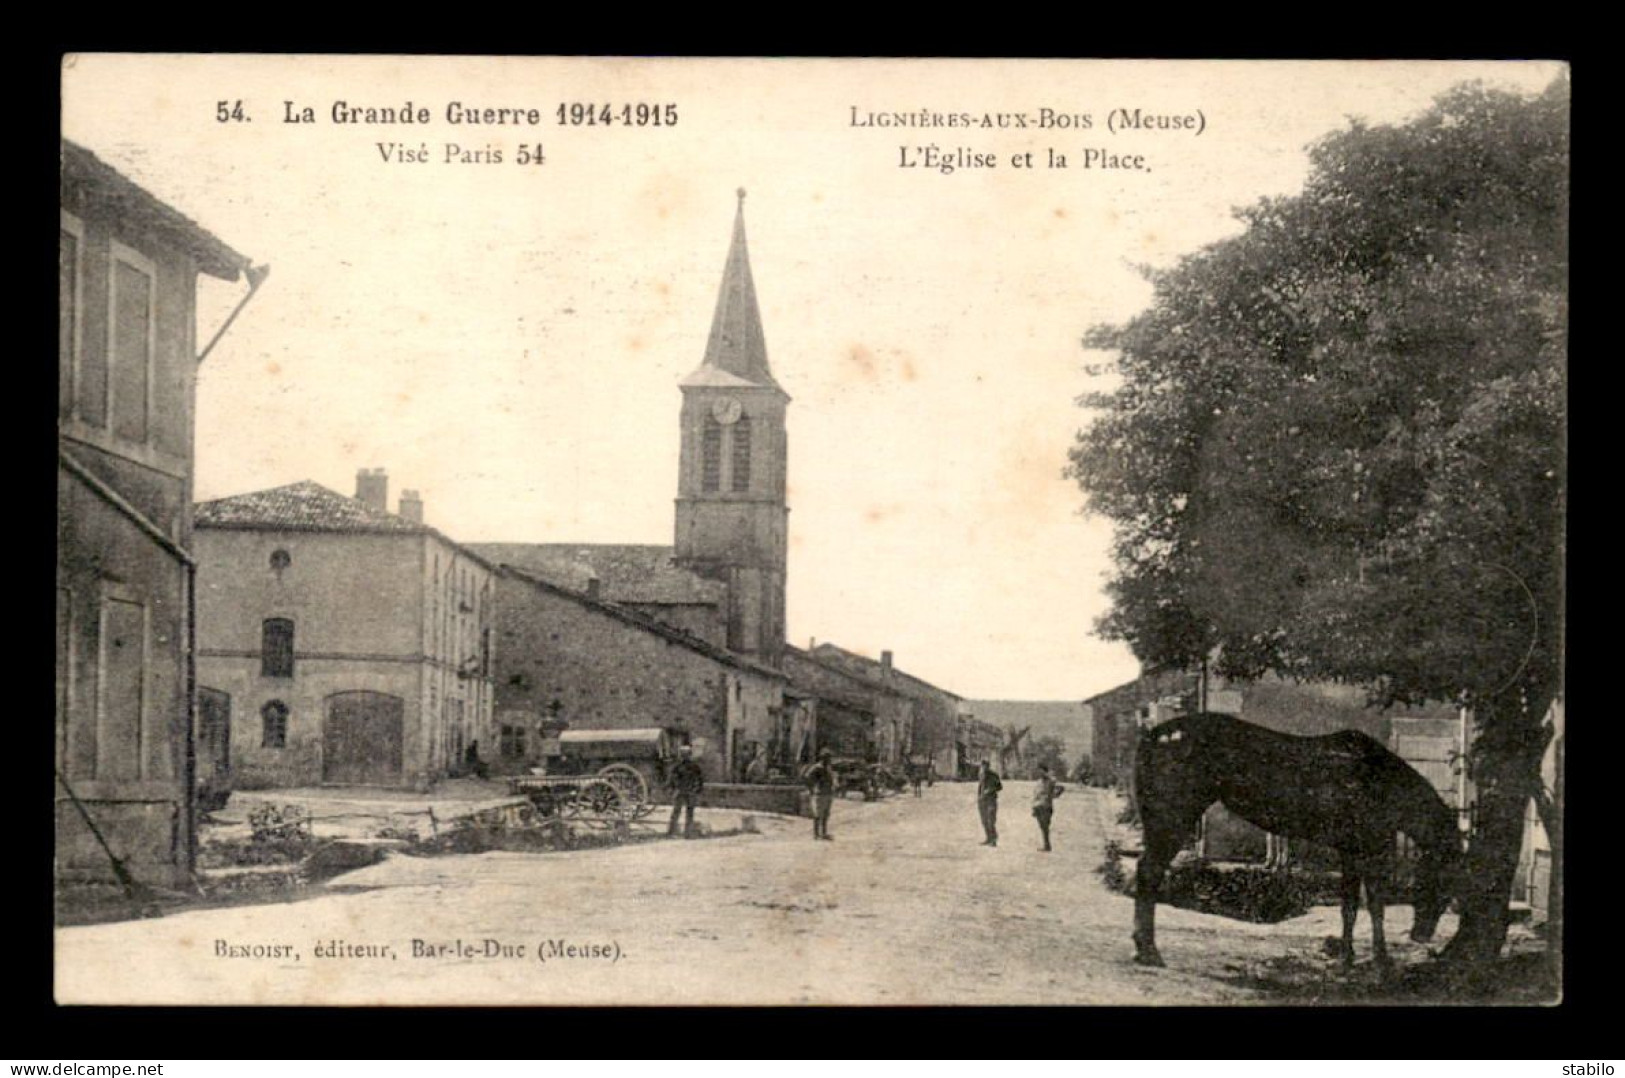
{"type": "Point", "coordinates": [632, 787]}
{"type": "Point", "coordinates": [599, 797]}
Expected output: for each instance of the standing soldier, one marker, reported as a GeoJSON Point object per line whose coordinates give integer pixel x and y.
{"type": "Point", "coordinates": [987, 801]}
{"type": "Point", "coordinates": [821, 782]}
{"type": "Point", "coordinates": [1044, 802]}
{"type": "Point", "coordinates": [687, 780]}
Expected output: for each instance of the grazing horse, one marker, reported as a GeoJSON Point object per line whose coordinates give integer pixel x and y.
{"type": "Point", "coordinates": [1343, 790]}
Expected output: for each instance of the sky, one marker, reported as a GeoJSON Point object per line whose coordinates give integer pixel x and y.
{"type": "Point", "coordinates": [507, 337]}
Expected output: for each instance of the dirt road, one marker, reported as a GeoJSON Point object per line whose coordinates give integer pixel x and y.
{"type": "Point", "coordinates": [904, 907]}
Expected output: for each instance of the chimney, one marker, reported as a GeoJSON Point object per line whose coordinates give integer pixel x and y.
{"type": "Point", "coordinates": [885, 665]}
{"type": "Point", "coordinates": [372, 488]}
{"type": "Point", "coordinates": [592, 587]}
{"type": "Point", "coordinates": [411, 506]}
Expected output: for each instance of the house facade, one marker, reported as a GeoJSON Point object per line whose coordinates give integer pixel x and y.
{"type": "Point", "coordinates": [976, 742]}
{"type": "Point", "coordinates": [914, 719]}
{"type": "Point", "coordinates": [339, 643]}
{"type": "Point", "coordinates": [569, 660]}
{"type": "Point", "coordinates": [126, 367]}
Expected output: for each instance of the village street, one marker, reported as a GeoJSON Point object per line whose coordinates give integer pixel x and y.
{"type": "Point", "coordinates": [904, 907]}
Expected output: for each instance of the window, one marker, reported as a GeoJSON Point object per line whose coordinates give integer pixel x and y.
{"type": "Point", "coordinates": [513, 742]}
{"type": "Point", "coordinates": [130, 320]}
{"type": "Point", "coordinates": [712, 457]}
{"type": "Point", "coordinates": [741, 454]}
{"type": "Point", "coordinates": [276, 648]}
{"type": "Point", "coordinates": [280, 560]}
{"type": "Point", "coordinates": [274, 725]}
{"type": "Point", "coordinates": [70, 303]}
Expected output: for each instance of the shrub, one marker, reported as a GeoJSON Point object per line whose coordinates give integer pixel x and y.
{"type": "Point", "coordinates": [1111, 869]}
{"type": "Point", "coordinates": [1245, 893]}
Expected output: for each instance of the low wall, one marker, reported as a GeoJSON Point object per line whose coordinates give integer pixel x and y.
{"type": "Point", "coordinates": [785, 800]}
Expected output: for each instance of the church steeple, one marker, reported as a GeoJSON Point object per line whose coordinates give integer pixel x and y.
{"type": "Point", "coordinates": [732, 520]}
{"type": "Point", "coordinates": [736, 351]}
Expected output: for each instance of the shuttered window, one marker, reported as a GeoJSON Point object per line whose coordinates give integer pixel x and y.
{"type": "Point", "coordinates": [712, 457]}
{"type": "Point", "coordinates": [130, 343]}
{"type": "Point", "coordinates": [741, 454]}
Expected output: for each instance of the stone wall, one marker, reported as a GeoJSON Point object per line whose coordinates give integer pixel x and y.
{"type": "Point", "coordinates": [567, 659]}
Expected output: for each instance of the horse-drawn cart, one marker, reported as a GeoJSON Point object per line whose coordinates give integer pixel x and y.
{"type": "Point", "coordinates": [599, 775]}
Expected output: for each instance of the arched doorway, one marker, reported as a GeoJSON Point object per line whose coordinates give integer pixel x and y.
{"type": "Point", "coordinates": [363, 739]}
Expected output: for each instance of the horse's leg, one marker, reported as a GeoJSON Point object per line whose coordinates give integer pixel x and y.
{"type": "Point", "coordinates": [1160, 846]}
{"type": "Point", "coordinates": [1351, 907]}
{"type": "Point", "coordinates": [1165, 832]}
{"type": "Point", "coordinates": [1374, 879]}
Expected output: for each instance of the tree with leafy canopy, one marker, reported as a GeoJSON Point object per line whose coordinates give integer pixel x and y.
{"type": "Point", "coordinates": [1048, 749]}
{"type": "Point", "coordinates": [1337, 447]}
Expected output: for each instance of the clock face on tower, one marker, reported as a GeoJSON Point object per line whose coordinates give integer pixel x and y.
{"type": "Point", "coordinates": [726, 411]}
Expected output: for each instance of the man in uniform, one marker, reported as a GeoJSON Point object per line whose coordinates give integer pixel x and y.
{"type": "Point", "coordinates": [987, 801]}
{"type": "Point", "coordinates": [1044, 802]}
{"type": "Point", "coordinates": [821, 782]}
{"type": "Point", "coordinates": [687, 780]}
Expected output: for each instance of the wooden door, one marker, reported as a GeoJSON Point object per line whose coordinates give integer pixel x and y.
{"type": "Point", "coordinates": [363, 739]}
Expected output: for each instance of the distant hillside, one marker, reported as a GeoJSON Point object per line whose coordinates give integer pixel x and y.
{"type": "Point", "coordinates": [1065, 719]}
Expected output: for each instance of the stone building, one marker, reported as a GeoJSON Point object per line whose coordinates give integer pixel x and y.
{"type": "Point", "coordinates": [913, 719]}
{"type": "Point", "coordinates": [975, 742]}
{"type": "Point", "coordinates": [713, 600]}
{"type": "Point", "coordinates": [341, 643]}
{"type": "Point", "coordinates": [126, 380]}
{"type": "Point", "coordinates": [851, 715]}
{"type": "Point", "coordinates": [572, 660]}
{"type": "Point", "coordinates": [693, 635]}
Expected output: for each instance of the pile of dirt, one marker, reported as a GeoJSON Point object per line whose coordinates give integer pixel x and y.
{"type": "Point", "coordinates": [549, 836]}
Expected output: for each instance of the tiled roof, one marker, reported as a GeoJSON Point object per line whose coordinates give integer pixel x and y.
{"type": "Point", "coordinates": [869, 669]}
{"type": "Point", "coordinates": [302, 506]}
{"type": "Point", "coordinates": [626, 573]}
{"type": "Point", "coordinates": [862, 699]}
{"type": "Point", "coordinates": [81, 168]}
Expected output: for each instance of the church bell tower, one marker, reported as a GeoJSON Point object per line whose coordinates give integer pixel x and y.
{"type": "Point", "coordinates": [732, 520]}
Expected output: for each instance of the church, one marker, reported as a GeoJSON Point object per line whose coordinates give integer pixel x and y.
{"type": "Point", "coordinates": [488, 651]}
{"type": "Point", "coordinates": [692, 636]}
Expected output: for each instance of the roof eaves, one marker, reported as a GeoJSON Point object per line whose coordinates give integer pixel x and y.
{"type": "Point", "coordinates": [81, 166]}
{"type": "Point", "coordinates": [676, 636]}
